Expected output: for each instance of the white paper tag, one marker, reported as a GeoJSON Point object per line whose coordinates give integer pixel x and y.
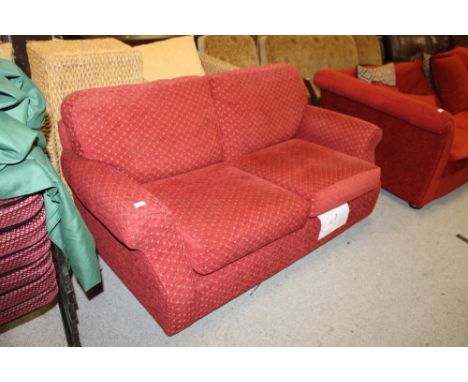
{"type": "Point", "coordinates": [333, 219]}
{"type": "Point", "coordinates": [139, 204]}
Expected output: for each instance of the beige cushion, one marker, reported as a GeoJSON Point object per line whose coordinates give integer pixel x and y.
{"type": "Point", "coordinates": [368, 48]}
{"type": "Point", "coordinates": [175, 57]}
{"type": "Point", "coordinates": [309, 54]}
{"type": "Point", "coordinates": [239, 50]}
{"type": "Point", "coordinates": [6, 51]}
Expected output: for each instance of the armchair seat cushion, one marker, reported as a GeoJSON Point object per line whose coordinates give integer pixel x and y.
{"type": "Point", "coordinates": [224, 213]}
{"type": "Point", "coordinates": [325, 177]}
{"type": "Point", "coordinates": [460, 140]}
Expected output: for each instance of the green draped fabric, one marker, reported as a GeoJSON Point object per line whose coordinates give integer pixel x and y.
{"type": "Point", "coordinates": [25, 169]}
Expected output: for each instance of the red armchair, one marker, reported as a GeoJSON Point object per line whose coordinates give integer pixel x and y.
{"type": "Point", "coordinates": [198, 188]}
{"type": "Point", "coordinates": [424, 150]}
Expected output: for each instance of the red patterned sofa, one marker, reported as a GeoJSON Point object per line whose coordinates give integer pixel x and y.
{"type": "Point", "coordinates": [198, 188]}
{"type": "Point", "coordinates": [424, 149]}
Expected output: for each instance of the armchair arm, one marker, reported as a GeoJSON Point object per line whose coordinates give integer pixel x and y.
{"type": "Point", "coordinates": [128, 210]}
{"type": "Point", "coordinates": [340, 132]}
{"type": "Point", "coordinates": [398, 105]}
{"type": "Point", "coordinates": [214, 65]}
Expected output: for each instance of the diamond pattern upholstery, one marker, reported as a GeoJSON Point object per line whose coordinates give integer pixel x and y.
{"type": "Point", "coordinates": [257, 107]}
{"type": "Point", "coordinates": [98, 124]}
{"type": "Point", "coordinates": [175, 215]}
{"type": "Point", "coordinates": [226, 213]}
{"type": "Point", "coordinates": [324, 177]}
{"type": "Point", "coordinates": [346, 134]}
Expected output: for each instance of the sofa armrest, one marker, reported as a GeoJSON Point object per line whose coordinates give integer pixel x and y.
{"type": "Point", "coordinates": [214, 65]}
{"type": "Point", "coordinates": [398, 105]}
{"type": "Point", "coordinates": [128, 210]}
{"type": "Point", "coordinates": [340, 132]}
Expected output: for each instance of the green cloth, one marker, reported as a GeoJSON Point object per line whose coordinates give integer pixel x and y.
{"type": "Point", "coordinates": [25, 169]}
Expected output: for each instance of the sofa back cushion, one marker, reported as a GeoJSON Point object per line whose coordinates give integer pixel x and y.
{"type": "Point", "coordinates": [410, 78]}
{"type": "Point", "coordinates": [149, 131]}
{"type": "Point", "coordinates": [451, 82]}
{"type": "Point", "coordinates": [257, 107]}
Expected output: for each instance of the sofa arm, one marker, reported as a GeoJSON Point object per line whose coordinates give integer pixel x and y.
{"type": "Point", "coordinates": [214, 65]}
{"type": "Point", "coordinates": [340, 132]}
{"type": "Point", "coordinates": [128, 210]}
{"type": "Point", "coordinates": [398, 105]}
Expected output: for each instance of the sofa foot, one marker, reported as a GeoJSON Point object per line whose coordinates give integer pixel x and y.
{"type": "Point", "coordinates": [414, 207]}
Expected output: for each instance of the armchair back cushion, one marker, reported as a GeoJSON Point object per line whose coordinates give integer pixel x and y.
{"type": "Point", "coordinates": [126, 126]}
{"type": "Point", "coordinates": [258, 108]}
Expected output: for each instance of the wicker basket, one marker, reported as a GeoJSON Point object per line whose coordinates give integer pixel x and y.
{"type": "Point", "coordinates": [60, 67]}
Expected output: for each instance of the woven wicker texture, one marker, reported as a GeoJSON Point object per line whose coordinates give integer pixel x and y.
{"type": "Point", "coordinates": [6, 51]}
{"type": "Point", "coordinates": [27, 273]}
{"type": "Point", "coordinates": [61, 67]}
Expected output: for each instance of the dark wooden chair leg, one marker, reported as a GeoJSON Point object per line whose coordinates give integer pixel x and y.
{"type": "Point", "coordinates": [66, 299]}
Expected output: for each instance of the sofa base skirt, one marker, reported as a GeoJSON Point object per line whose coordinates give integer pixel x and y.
{"type": "Point", "coordinates": [215, 289]}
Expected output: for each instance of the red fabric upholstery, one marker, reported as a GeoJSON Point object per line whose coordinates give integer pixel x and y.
{"type": "Point", "coordinates": [131, 212]}
{"type": "Point", "coordinates": [462, 53]}
{"type": "Point", "coordinates": [460, 140]}
{"type": "Point", "coordinates": [340, 132]}
{"type": "Point", "coordinates": [258, 107]}
{"type": "Point", "coordinates": [185, 244]}
{"type": "Point", "coordinates": [17, 210]}
{"type": "Point", "coordinates": [410, 78]}
{"type": "Point", "coordinates": [27, 273]}
{"type": "Point", "coordinates": [417, 137]}
{"type": "Point", "coordinates": [225, 214]}
{"type": "Point", "coordinates": [98, 127]}
{"type": "Point", "coordinates": [393, 103]}
{"type": "Point", "coordinates": [451, 81]}
{"type": "Point", "coordinates": [326, 178]}
{"type": "Point", "coordinates": [427, 99]}
{"type": "Point", "coordinates": [178, 308]}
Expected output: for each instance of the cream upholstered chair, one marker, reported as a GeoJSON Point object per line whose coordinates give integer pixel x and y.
{"type": "Point", "coordinates": [313, 53]}
{"type": "Point", "coordinates": [214, 65]}
{"type": "Point", "coordinates": [6, 51]}
{"type": "Point", "coordinates": [309, 54]}
{"type": "Point", "coordinates": [240, 51]}
{"type": "Point", "coordinates": [369, 50]}
{"type": "Point", "coordinates": [60, 67]}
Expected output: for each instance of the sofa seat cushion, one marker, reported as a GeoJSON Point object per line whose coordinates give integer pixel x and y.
{"type": "Point", "coordinates": [460, 140]}
{"type": "Point", "coordinates": [326, 178]}
{"type": "Point", "coordinates": [224, 213]}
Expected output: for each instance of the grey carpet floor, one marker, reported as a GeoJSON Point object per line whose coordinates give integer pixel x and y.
{"type": "Point", "coordinates": [398, 278]}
